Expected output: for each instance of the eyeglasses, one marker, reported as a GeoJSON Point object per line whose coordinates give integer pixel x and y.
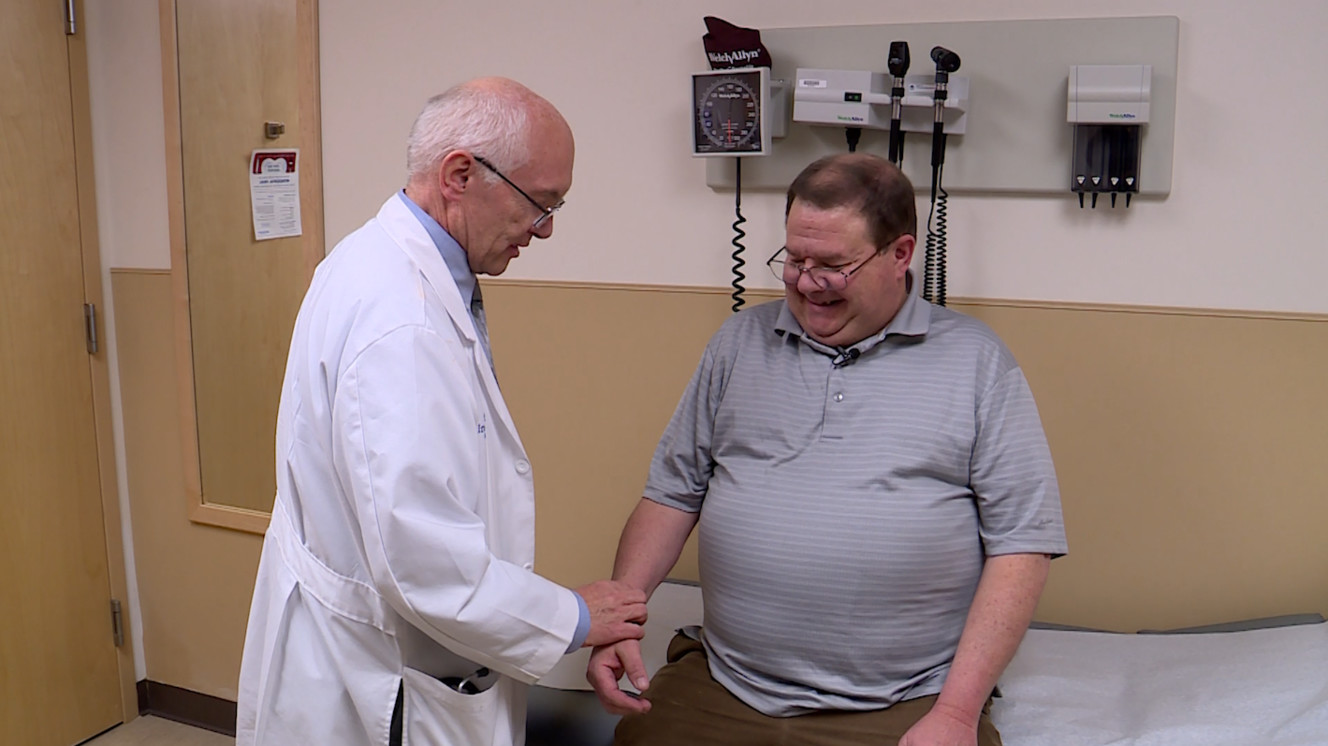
{"type": "Point", "coordinates": [826, 278]}
{"type": "Point", "coordinates": [546, 213]}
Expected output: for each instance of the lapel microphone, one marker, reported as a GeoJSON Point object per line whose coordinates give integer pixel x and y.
{"type": "Point", "coordinates": [845, 357]}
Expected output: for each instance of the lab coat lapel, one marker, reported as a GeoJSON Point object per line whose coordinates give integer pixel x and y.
{"type": "Point", "coordinates": [405, 229]}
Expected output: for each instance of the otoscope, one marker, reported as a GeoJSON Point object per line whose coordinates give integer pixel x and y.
{"type": "Point", "coordinates": [934, 272]}
{"type": "Point", "coordinates": [946, 63]}
{"type": "Point", "coordinates": [898, 66]}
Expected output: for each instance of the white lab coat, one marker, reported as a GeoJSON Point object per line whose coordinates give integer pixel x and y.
{"type": "Point", "coordinates": [402, 538]}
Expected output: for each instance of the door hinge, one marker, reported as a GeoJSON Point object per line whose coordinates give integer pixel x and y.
{"type": "Point", "coordinates": [117, 622]}
{"type": "Point", "coordinates": [71, 18]}
{"type": "Point", "coordinates": [90, 326]}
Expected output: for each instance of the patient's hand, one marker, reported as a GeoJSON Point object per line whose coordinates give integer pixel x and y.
{"type": "Point", "coordinates": [942, 726]}
{"type": "Point", "coordinates": [607, 665]}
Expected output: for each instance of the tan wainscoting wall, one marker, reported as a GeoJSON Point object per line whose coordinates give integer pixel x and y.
{"type": "Point", "coordinates": [194, 580]}
{"type": "Point", "coordinates": [1190, 448]}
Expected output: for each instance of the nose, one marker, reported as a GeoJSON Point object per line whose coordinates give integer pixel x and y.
{"type": "Point", "coordinates": [811, 286]}
{"type": "Point", "coordinates": [544, 230]}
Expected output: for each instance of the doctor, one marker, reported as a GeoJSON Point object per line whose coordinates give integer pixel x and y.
{"type": "Point", "coordinates": [395, 600]}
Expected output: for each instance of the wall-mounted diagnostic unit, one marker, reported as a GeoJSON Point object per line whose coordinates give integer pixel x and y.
{"type": "Point", "coordinates": [731, 112]}
{"type": "Point", "coordinates": [1010, 91]}
{"type": "Point", "coordinates": [1108, 106]}
{"type": "Point", "coordinates": [859, 98]}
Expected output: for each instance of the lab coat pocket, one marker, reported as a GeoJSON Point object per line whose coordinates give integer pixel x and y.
{"type": "Point", "coordinates": [437, 715]}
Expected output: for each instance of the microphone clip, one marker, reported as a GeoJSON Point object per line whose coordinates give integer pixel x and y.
{"type": "Point", "coordinates": [845, 357]}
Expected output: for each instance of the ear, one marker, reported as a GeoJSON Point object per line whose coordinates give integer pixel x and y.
{"type": "Point", "coordinates": [901, 254]}
{"type": "Point", "coordinates": [455, 174]}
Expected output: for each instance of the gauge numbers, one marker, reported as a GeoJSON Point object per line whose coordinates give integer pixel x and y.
{"type": "Point", "coordinates": [729, 112]}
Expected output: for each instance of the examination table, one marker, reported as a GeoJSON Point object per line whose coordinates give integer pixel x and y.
{"type": "Point", "coordinates": [1253, 683]}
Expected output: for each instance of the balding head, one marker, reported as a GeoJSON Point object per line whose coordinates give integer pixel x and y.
{"type": "Point", "coordinates": [461, 143]}
{"type": "Point", "coordinates": [497, 118]}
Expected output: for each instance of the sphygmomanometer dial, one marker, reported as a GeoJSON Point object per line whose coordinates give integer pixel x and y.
{"type": "Point", "coordinates": [728, 114]}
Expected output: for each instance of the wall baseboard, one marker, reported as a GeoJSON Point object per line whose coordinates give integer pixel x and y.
{"type": "Point", "coordinates": [185, 706]}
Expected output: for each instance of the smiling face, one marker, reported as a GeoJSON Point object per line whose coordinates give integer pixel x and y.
{"type": "Point", "coordinates": [840, 237]}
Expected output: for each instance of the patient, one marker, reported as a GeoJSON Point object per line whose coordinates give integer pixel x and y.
{"type": "Point", "coordinates": [876, 500]}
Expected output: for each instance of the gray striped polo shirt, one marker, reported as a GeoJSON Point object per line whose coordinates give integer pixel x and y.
{"type": "Point", "coordinates": [846, 511]}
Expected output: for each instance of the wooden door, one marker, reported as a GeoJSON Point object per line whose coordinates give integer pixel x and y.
{"type": "Point", "coordinates": [59, 674]}
{"type": "Point", "coordinates": [238, 66]}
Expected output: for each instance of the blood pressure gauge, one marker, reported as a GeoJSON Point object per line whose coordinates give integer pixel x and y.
{"type": "Point", "coordinates": [730, 112]}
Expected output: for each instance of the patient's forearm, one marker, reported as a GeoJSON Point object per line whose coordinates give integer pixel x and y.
{"type": "Point", "coordinates": [1002, 608]}
{"type": "Point", "coordinates": [650, 544]}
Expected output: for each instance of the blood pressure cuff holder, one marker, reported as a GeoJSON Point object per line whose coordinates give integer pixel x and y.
{"type": "Point", "coordinates": [729, 46]}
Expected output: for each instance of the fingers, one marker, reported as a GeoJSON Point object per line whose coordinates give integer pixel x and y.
{"type": "Point", "coordinates": [608, 634]}
{"type": "Point", "coordinates": [630, 658]}
{"type": "Point", "coordinates": [612, 593]}
{"type": "Point", "coordinates": [618, 702]}
{"type": "Point", "coordinates": [636, 613]}
{"type": "Point", "coordinates": [603, 673]}
{"type": "Point", "coordinates": [617, 612]}
{"type": "Point", "coordinates": [606, 667]}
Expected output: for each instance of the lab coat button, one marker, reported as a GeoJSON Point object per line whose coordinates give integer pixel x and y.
{"type": "Point", "coordinates": [528, 566]}
{"type": "Point", "coordinates": [522, 467]}
{"type": "Point", "coordinates": [839, 397]}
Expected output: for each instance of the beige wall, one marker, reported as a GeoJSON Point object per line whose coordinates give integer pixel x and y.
{"type": "Point", "coordinates": [195, 581]}
{"type": "Point", "coordinates": [1188, 445]}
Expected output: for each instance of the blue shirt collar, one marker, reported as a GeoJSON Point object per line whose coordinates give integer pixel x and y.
{"type": "Point", "coordinates": [453, 255]}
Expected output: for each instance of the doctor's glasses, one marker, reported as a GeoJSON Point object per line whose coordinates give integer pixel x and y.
{"type": "Point", "coordinates": [546, 213]}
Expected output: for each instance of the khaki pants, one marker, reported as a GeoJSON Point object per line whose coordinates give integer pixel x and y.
{"type": "Point", "coordinates": [690, 708]}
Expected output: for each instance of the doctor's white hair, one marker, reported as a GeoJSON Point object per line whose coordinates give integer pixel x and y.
{"type": "Point", "coordinates": [489, 120]}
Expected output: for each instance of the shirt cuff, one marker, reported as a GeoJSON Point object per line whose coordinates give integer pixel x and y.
{"type": "Point", "coordinates": [582, 625]}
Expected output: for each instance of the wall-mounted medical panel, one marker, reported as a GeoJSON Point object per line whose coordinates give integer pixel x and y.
{"type": "Point", "coordinates": [1016, 137]}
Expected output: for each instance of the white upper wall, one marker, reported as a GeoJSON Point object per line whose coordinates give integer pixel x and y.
{"type": "Point", "coordinates": [128, 130]}
{"type": "Point", "coordinates": [1240, 230]}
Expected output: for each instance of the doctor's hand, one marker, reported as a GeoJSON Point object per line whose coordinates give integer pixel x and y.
{"type": "Point", "coordinates": [607, 665]}
{"type": "Point", "coordinates": [617, 612]}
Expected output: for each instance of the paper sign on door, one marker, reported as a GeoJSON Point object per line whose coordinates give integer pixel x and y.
{"type": "Point", "coordinates": [274, 192]}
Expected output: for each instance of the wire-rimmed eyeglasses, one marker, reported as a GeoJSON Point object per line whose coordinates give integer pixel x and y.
{"type": "Point", "coordinates": [826, 278]}
{"type": "Point", "coordinates": [546, 213]}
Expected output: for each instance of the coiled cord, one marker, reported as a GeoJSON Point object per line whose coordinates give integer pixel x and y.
{"type": "Point", "coordinates": [933, 286]}
{"type": "Point", "coordinates": [739, 234]}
